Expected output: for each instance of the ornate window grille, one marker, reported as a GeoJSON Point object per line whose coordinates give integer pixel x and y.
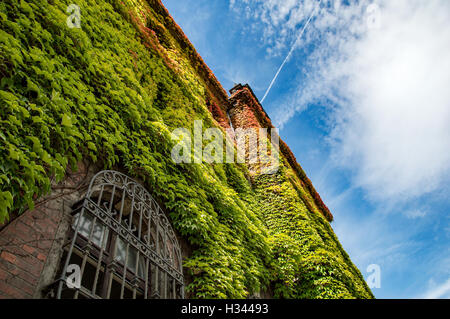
{"type": "Point", "coordinates": [123, 244]}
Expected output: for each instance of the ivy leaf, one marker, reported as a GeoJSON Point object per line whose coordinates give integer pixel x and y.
{"type": "Point", "coordinates": [66, 121]}
{"type": "Point", "coordinates": [6, 201]}
{"type": "Point", "coordinates": [37, 119]}
{"type": "Point", "coordinates": [6, 96]}
{"type": "Point", "coordinates": [32, 86]}
{"type": "Point", "coordinates": [13, 154]}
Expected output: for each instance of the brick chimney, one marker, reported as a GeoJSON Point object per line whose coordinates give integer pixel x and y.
{"type": "Point", "coordinates": [246, 113]}
{"type": "Point", "coordinates": [244, 109]}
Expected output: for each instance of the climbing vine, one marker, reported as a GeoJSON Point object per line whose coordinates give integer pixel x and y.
{"type": "Point", "coordinates": [111, 92]}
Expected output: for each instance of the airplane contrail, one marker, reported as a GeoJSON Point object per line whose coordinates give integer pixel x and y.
{"type": "Point", "coordinates": [290, 52]}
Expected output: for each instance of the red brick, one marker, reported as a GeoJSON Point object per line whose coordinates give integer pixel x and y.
{"type": "Point", "coordinates": [20, 254]}
{"type": "Point", "coordinates": [10, 239]}
{"type": "Point", "coordinates": [44, 243]}
{"type": "Point", "coordinates": [30, 259]}
{"type": "Point", "coordinates": [8, 257]}
{"type": "Point", "coordinates": [20, 284]}
{"type": "Point", "coordinates": [50, 226]}
{"type": "Point", "coordinates": [3, 274]}
{"type": "Point", "coordinates": [12, 292]}
{"type": "Point", "coordinates": [33, 269]}
{"type": "Point", "coordinates": [13, 270]}
{"type": "Point", "coordinates": [23, 231]}
{"type": "Point", "coordinates": [29, 278]}
{"type": "Point", "coordinates": [8, 267]}
{"type": "Point", "coordinates": [22, 226]}
{"type": "Point", "coordinates": [41, 257]}
{"type": "Point", "coordinates": [4, 239]}
{"type": "Point", "coordinates": [29, 249]}
{"type": "Point", "coordinates": [15, 250]}
{"type": "Point", "coordinates": [27, 220]}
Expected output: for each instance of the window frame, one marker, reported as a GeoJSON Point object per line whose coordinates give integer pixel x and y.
{"type": "Point", "coordinates": [134, 232]}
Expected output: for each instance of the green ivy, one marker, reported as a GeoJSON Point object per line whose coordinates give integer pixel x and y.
{"type": "Point", "coordinates": [103, 93]}
{"type": "Point", "coordinates": [309, 261]}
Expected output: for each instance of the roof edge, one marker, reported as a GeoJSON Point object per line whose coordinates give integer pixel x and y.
{"type": "Point", "coordinates": [200, 65]}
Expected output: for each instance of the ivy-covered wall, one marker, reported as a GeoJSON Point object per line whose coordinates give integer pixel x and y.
{"type": "Point", "coordinates": [111, 92]}
{"type": "Point", "coordinates": [308, 258]}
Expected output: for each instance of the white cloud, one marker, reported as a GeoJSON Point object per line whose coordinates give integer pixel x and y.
{"type": "Point", "coordinates": [387, 88]}
{"type": "Point", "coordinates": [441, 291]}
{"type": "Point", "coordinates": [280, 19]}
{"type": "Point", "coordinates": [415, 213]}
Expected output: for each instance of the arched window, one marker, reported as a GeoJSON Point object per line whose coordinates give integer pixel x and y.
{"type": "Point", "coordinates": [122, 244]}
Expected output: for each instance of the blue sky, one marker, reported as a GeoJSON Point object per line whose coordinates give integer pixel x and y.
{"type": "Point", "coordinates": [364, 104]}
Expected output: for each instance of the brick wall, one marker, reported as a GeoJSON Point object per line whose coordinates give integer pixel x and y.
{"type": "Point", "coordinates": [245, 113]}
{"type": "Point", "coordinates": [30, 244]}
